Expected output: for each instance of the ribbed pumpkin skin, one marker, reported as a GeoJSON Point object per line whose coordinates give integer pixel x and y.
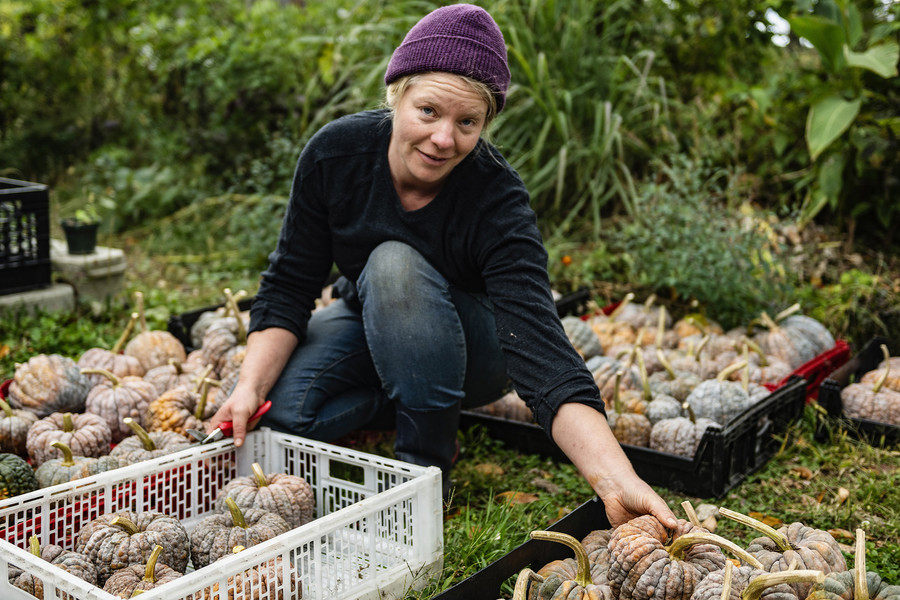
{"type": "Point", "coordinates": [154, 348]}
{"type": "Point", "coordinates": [115, 402]}
{"type": "Point", "coordinates": [124, 582]}
{"type": "Point", "coordinates": [167, 377]}
{"type": "Point", "coordinates": [811, 548]}
{"type": "Point", "coordinates": [679, 388]}
{"type": "Point", "coordinates": [639, 564]}
{"type": "Point", "coordinates": [662, 407]}
{"type": "Point", "coordinates": [49, 383]}
{"type": "Point", "coordinates": [509, 406]}
{"type": "Point", "coordinates": [55, 471]}
{"type": "Point", "coordinates": [860, 402]}
{"type": "Point", "coordinates": [16, 476]}
{"type": "Point", "coordinates": [120, 365]}
{"type": "Point", "coordinates": [111, 547]}
{"type": "Point", "coordinates": [679, 436]}
{"type": "Point", "coordinates": [287, 495]}
{"type": "Point", "coordinates": [630, 428]}
{"type": "Point", "coordinates": [174, 411]}
{"type": "Point", "coordinates": [131, 449]}
{"type": "Point", "coordinates": [711, 587]}
{"type": "Point", "coordinates": [90, 437]}
{"type": "Point", "coordinates": [718, 401]}
{"type": "Point", "coordinates": [14, 430]}
{"type": "Point", "coordinates": [216, 535]}
{"type": "Point", "coordinates": [582, 336]}
{"type": "Point", "coordinates": [265, 581]}
{"type": "Point", "coordinates": [596, 545]}
{"type": "Point", "coordinates": [73, 563]}
{"type": "Point", "coordinates": [555, 587]}
{"type": "Point", "coordinates": [840, 586]}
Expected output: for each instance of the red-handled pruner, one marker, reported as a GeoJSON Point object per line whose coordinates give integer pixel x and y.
{"type": "Point", "coordinates": [226, 428]}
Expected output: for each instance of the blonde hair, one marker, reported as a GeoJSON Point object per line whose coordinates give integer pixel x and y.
{"type": "Point", "coordinates": [395, 90]}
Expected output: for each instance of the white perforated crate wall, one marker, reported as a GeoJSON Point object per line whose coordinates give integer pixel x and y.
{"type": "Point", "coordinates": [378, 530]}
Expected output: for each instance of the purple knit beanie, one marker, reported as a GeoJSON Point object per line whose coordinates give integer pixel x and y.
{"type": "Point", "coordinates": [461, 39]}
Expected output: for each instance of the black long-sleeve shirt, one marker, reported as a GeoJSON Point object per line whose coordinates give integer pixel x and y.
{"type": "Point", "coordinates": [479, 232]}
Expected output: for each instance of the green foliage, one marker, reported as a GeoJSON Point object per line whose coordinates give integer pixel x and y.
{"type": "Point", "coordinates": [687, 242]}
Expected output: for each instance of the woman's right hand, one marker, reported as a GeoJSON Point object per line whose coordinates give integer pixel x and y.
{"type": "Point", "coordinates": [238, 409]}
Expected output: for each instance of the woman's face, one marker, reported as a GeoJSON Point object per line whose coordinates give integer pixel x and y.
{"type": "Point", "coordinates": [437, 122]}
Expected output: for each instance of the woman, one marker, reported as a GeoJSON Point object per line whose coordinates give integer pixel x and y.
{"type": "Point", "coordinates": [444, 296]}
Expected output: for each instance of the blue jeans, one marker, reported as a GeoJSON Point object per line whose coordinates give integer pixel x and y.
{"type": "Point", "coordinates": [418, 342]}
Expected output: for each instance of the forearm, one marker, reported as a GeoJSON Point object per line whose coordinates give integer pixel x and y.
{"type": "Point", "coordinates": [267, 353]}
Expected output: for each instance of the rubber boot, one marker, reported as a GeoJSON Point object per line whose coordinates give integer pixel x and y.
{"type": "Point", "coordinates": [428, 438]}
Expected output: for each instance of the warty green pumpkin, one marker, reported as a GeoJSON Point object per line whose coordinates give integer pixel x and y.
{"type": "Point", "coordinates": [125, 582]}
{"type": "Point", "coordinates": [145, 445]}
{"type": "Point", "coordinates": [69, 467]}
{"type": "Point", "coordinates": [73, 563]}
{"type": "Point", "coordinates": [14, 426]}
{"type": "Point", "coordinates": [749, 583]}
{"type": "Point", "coordinates": [287, 495]}
{"type": "Point", "coordinates": [117, 398]}
{"type": "Point", "coordinates": [48, 383]}
{"type": "Point", "coordinates": [216, 535]}
{"type": "Point", "coordinates": [86, 434]}
{"type": "Point", "coordinates": [16, 476]}
{"type": "Point", "coordinates": [570, 579]}
{"type": "Point", "coordinates": [857, 583]}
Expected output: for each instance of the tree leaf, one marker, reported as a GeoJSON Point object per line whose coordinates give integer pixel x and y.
{"type": "Point", "coordinates": [825, 35]}
{"type": "Point", "coordinates": [827, 120]}
{"type": "Point", "coordinates": [881, 59]}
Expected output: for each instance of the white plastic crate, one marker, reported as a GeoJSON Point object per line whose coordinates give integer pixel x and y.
{"type": "Point", "coordinates": [378, 530]}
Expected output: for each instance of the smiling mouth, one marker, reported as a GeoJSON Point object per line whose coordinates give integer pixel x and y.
{"type": "Point", "coordinates": [434, 159]}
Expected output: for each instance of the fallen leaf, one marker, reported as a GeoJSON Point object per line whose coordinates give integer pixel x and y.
{"type": "Point", "coordinates": [4, 350]}
{"type": "Point", "coordinates": [735, 562]}
{"type": "Point", "coordinates": [819, 497]}
{"type": "Point", "coordinates": [547, 486]}
{"type": "Point", "coordinates": [802, 472]}
{"type": "Point", "coordinates": [842, 495]}
{"type": "Point", "coordinates": [769, 520]}
{"type": "Point", "coordinates": [513, 497]}
{"type": "Point", "coordinates": [489, 469]}
{"type": "Point", "coordinates": [839, 534]}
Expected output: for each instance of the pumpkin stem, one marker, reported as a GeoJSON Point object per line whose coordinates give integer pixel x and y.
{"type": "Point", "coordinates": [176, 364]}
{"type": "Point", "coordinates": [860, 585]}
{"type": "Point", "coordinates": [691, 513]}
{"type": "Point", "coordinates": [34, 545]}
{"type": "Point", "coordinates": [887, 368]}
{"type": "Point", "coordinates": [7, 409]}
{"type": "Point", "coordinates": [68, 460]}
{"type": "Point", "coordinates": [768, 322]}
{"type": "Point", "coordinates": [618, 310]}
{"type": "Point", "coordinates": [237, 549]}
{"type": "Point", "coordinates": [660, 327]}
{"type": "Point", "coordinates": [261, 480]}
{"type": "Point", "coordinates": [125, 334]}
{"type": "Point", "coordinates": [645, 379]}
{"type": "Point", "coordinates": [523, 581]}
{"type": "Point", "coordinates": [665, 363]}
{"type": "Point", "coordinates": [759, 583]}
{"type": "Point", "coordinates": [139, 300]}
{"type": "Point", "coordinates": [703, 341]}
{"type": "Point", "coordinates": [726, 583]}
{"type": "Point", "coordinates": [732, 368]}
{"type": "Point", "coordinates": [787, 312]}
{"type": "Point", "coordinates": [68, 423]}
{"type": "Point", "coordinates": [136, 592]}
{"type": "Point", "coordinates": [116, 382]}
{"type": "Point", "coordinates": [763, 359]}
{"type": "Point", "coordinates": [201, 403]}
{"type": "Point", "coordinates": [141, 433]}
{"type": "Point", "coordinates": [237, 517]}
{"type": "Point", "coordinates": [583, 574]}
{"type": "Point", "coordinates": [779, 538]}
{"type": "Point", "coordinates": [617, 395]}
{"type": "Point", "coordinates": [690, 411]}
{"type": "Point", "coordinates": [232, 303]}
{"type": "Point", "coordinates": [676, 548]}
{"type": "Point", "coordinates": [125, 524]}
{"type": "Point", "coordinates": [150, 570]}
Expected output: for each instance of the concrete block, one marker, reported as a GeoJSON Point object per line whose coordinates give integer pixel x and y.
{"type": "Point", "coordinates": [57, 297]}
{"type": "Point", "coordinates": [96, 276]}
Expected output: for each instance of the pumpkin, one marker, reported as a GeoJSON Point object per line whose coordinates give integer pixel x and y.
{"type": "Point", "coordinates": [644, 558]}
{"type": "Point", "coordinates": [604, 369]}
{"type": "Point", "coordinates": [811, 548]}
{"type": "Point", "coordinates": [570, 579]}
{"type": "Point", "coordinates": [16, 476]}
{"type": "Point", "coordinates": [180, 409]}
{"type": "Point", "coordinates": [748, 583]}
{"type": "Point", "coordinates": [71, 562]}
{"type": "Point", "coordinates": [582, 336]}
{"type": "Point", "coordinates": [126, 581]}
{"type": "Point", "coordinates": [69, 467]}
{"type": "Point", "coordinates": [117, 398]}
{"type": "Point", "coordinates": [610, 330]}
{"type": "Point", "coordinates": [596, 545]}
{"type": "Point", "coordinates": [14, 426]}
{"type": "Point", "coordinates": [175, 374]}
{"type": "Point", "coordinates": [872, 400]}
{"type": "Point", "coordinates": [720, 399]}
{"type": "Point", "coordinates": [153, 348]}
{"type": "Point", "coordinates": [645, 315]}
{"type": "Point", "coordinates": [207, 318]}
{"type": "Point", "coordinates": [48, 383]}
{"type": "Point", "coordinates": [86, 434]}
{"type": "Point", "coordinates": [628, 427]}
{"type": "Point", "coordinates": [856, 583]}
{"type": "Point", "coordinates": [795, 339]}
{"type": "Point", "coordinates": [763, 368]}
{"type": "Point", "coordinates": [287, 495]}
{"type": "Point", "coordinates": [509, 406]}
{"type": "Point", "coordinates": [147, 446]}
{"type": "Point", "coordinates": [696, 323]}
{"type": "Point", "coordinates": [680, 436]}
{"type": "Point", "coordinates": [112, 360]}
{"type": "Point", "coordinates": [262, 582]}
{"type": "Point", "coordinates": [224, 335]}
{"type": "Point", "coordinates": [677, 384]}
{"type": "Point", "coordinates": [217, 534]}
{"type": "Point", "coordinates": [116, 540]}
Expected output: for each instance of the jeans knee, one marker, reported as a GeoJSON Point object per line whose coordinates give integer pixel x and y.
{"type": "Point", "coordinates": [395, 273]}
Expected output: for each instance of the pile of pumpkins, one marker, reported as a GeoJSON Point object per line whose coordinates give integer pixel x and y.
{"type": "Point", "coordinates": [132, 552]}
{"type": "Point", "coordinates": [643, 560]}
{"type": "Point", "coordinates": [63, 419]}
{"type": "Point", "coordinates": [876, 396]}
{"type": "Point", "coordinates": [665, 382]}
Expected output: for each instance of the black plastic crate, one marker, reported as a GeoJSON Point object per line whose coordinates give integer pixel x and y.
{"type": "Point", "coordinates": [485, 584]}
{"type": "Point", "coordinates": [180, 325]}
{"type": "Point", "coordinates": [724, 458]}
{"type": "Point", "coordinates": [24, 236]}
{"type": "Point", "coordinates": [865, 360]}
